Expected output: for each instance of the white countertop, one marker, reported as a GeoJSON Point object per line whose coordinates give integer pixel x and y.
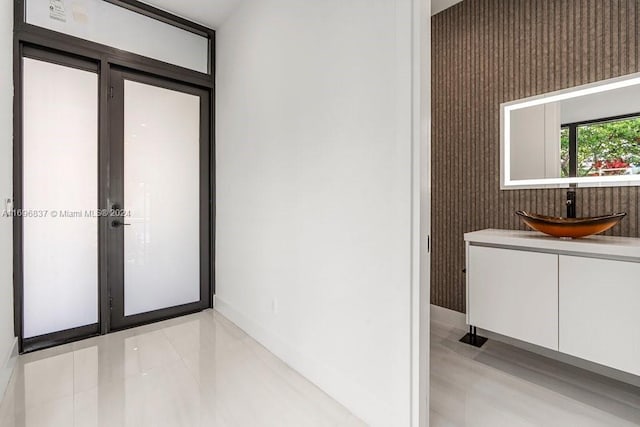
{"type": "Point", "coordinates": [601, 246]}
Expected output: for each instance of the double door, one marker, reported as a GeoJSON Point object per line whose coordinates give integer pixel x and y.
{"type": "Point", "coordinates": [112, 194]}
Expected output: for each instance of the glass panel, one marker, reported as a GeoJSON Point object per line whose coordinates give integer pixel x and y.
{"type": "Point", "coordinates": [161, 192]}
{"type": "Point", "coordinates": [105, 23]}
{"type": "Point", "coordinates": [59, 194]}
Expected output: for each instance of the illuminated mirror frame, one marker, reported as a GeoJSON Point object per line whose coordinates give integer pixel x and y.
{"type": "Point", "coordinates": [506, 183]}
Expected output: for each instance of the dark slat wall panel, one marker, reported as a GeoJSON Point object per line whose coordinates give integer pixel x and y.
{"type": "Point", "coordinates": [486, 52]}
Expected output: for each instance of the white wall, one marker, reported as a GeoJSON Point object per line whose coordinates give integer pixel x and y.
{"type": "Point", "coordinates": [6, 189]}
{"type": "Point", "coordinates": [527, 142]}
{"type": "Point", "coordinates": [601, 105]}
{"type": "Point", "coordinates": [315, 227]}
{"type": "Point", "coordinates": [535, 142]}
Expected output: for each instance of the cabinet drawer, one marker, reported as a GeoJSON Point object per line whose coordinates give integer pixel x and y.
{"type": "Point", "coordinates": [600, 311]}
{"type": "Point", "coordinates": [514, 293]}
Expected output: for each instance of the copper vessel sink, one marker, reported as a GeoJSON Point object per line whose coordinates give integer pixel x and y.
{"type": "Point", "coordinates": [570, 227]}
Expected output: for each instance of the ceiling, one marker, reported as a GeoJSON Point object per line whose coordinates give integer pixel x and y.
{"type": "Point", "coordinates": [438, 6]}
{"type": "Point", "coordinates": [210, 13]}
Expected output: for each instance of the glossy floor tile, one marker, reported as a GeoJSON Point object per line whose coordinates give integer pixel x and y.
{"type": "Point", "coordinates": [198, 370]}
{"type": "Point", "coordinates": [500, 385]}
{"type": "Point", "coordinates": [201, 370]}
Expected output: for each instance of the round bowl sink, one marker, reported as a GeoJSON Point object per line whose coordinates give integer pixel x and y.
{"type": "Point", "coordinates": [570, 227]}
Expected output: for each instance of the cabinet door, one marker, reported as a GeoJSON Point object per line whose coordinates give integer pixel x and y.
{"type": "Point", "coordinates": [600, 311]}
{"type": "Point", "coordinates": [514, 293]}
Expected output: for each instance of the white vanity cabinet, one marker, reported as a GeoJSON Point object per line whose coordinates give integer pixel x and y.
{"type": "Point", "coordinates": [514, 293]}
{"type": "Point", "coordinates": [600, 311]}
{"type": "Point", "coordinates": [580, 297]}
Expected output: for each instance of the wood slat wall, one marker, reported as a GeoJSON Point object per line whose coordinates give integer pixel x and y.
{"type": "Point", "coordinates": [484, 53]}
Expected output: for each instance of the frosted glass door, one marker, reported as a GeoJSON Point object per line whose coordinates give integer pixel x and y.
{"type": "Point", "coordinates": [160, 231]}
{"type": "Point", "coordinates": [161, 191]}
{"type": "Point", "coordinates": [59, 194]}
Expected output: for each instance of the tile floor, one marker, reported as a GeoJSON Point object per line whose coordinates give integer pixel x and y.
{"type": "Point", "coordinates": [198, 370]}
{"type": "Point", "coordinates": [201, 370]}
{"type": "Point", "coordinates": [503, 386]}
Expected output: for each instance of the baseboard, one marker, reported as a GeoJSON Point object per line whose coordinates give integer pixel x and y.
{"type": "Point", "coordinates": [457, 320]}
{"type": "Point", "coordinates": [355, 398]}
{"type": "Point", "coordinates": [7, 366]}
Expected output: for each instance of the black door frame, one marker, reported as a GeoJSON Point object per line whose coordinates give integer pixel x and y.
{"type": "Point", "coordinates": [115, 238]}
{"type": "Point", "coordinates": [55, 338]}
{"type": "Point", "coordinates": [26, 37]}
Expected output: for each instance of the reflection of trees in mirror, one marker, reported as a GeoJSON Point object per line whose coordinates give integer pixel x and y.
{"type": "Point", "coordinates": [564, 152]}
{"type": "Point", "coordinates": [603, 148]}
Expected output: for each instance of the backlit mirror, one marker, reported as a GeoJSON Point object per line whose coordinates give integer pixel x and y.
{"type": "Point", "coordinates": [587, 135]}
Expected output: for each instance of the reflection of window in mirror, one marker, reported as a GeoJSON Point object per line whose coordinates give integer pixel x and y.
{"type": "Point", "coordinates": [588, 135]}
{"type": "Point", "coordinates": [601, 147]}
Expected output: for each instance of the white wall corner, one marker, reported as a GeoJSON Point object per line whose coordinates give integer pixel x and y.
{"type": "Point", "coordinates": [8, 343]}
{"type": "Point", "coordinates": [7, 367]}
{"type": "Point", "coordinates": [329, 380]}
{"type": "Point", "coordinates": [321, 192]}
{"type": "Point", "coordinates": [552, 124]}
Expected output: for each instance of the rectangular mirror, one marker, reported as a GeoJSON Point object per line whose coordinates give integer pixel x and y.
{"type": "Point", "coordinates": [588, 135]}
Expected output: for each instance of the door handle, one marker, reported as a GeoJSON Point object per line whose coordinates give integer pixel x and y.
{"type": "Point", "coordinates": [118, 224]}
